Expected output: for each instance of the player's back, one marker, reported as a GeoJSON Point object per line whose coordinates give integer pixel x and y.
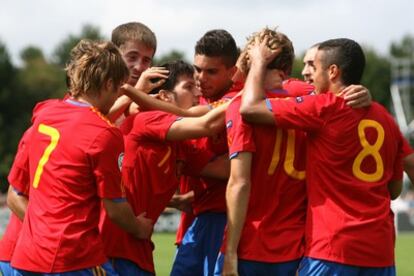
{"type": "Point", "coordinates": [68, 175]}
{"type": "Point", "coordinates": [275, 220]}
{"type": "Point", "coordinates": [352, 158]}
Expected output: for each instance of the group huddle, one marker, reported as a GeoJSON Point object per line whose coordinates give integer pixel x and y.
{"type": "Point", "coordinates": [273, 175]}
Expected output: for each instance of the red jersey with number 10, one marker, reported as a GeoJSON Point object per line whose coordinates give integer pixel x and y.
{"type": "Point", "coordinates": [352, 155]}
{"type": "Point", "coordinates": [275, 220]}
{"type": "Point", "coordinates": [73, 161]}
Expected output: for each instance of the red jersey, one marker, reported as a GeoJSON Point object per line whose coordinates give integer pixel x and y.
{"type": "Point", "coordinates": [194, 160]}
{"type": "Point", "coordinates": [149, 176]}
{"type": "Point", "coordinates": [209, 193]}
{"type": "Point", "coordinates": [19, 176]}
{"type": "Point", "coordinates": [275, 219]}
{"type": "Point", "coordinates": [73, 159]}
{"type": "Point", "coordinates": [352, 155]}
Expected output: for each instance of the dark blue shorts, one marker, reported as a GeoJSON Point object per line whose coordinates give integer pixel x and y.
{"type": "Point", "coordinates": [310, 266]}
{"type": "Point", "coordinates": [254, 268]}
{"type": "Point", "coordinates": [126, 267]}
{"type": "Point", "coordinates": [201, 244]}
{"type": "Point", "coordinates": [104, 269]}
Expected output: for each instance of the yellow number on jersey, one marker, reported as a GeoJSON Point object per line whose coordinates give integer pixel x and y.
{"type": "Point", "coordinates": [369, 150]}
{"type": "Point", "coordinates": [290, 156]}
{"type": "Point", "coordinates": [54, 139]}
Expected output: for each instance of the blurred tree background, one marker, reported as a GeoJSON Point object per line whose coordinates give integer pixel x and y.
{"type": "Point", "coordinates": [40, 77]}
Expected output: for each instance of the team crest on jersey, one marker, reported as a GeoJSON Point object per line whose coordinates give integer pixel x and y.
{"type": "Point", "coordinates": [229, 124]}
{"type": "Point", "coordinates": [120, 160]}
{"type": "Point", "coordinates": [299, 99]}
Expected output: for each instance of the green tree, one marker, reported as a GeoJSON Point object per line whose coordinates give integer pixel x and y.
{"type": "Point", "coordinates": [377, 76]}
{"type": "Point", "coordinates": [62, 52]}
{"type": "Point", "coordinates": [403, 48]}
{"type": "Point", "coordinates": [8, 114]}
{"type": "Point", "coordinates": [170, 56]}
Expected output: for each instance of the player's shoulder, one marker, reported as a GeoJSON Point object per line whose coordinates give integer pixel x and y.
{"type": "Point", "coordinates": [296, 87]}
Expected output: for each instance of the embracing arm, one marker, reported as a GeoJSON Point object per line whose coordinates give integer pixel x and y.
{"type": "Point", "coordinates": [122, 215]}
{"type": "Point", "coordinates": [253, 106]}
{"type": "Point", "coordinates": [196, 127]}
{"type": "Point", "coordinates": [16, 202]}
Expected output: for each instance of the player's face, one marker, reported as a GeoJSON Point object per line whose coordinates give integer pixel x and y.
{"type": "Point", "coordinates": [138, 58]}
{"type": "Point", "coordinates": [321, 76]}
{"type": "Point", "coordinates": [308, 65]}
{"type": "Point", "coordinates": [212, 76]}
{"type": "Point", "coordinates": [273, 79]}
{"type": "Point", "coordinates": [108, 97]}
{"type": "Point", "coordinates": [187, 94]}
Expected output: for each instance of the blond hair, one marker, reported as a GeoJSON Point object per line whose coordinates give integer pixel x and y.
{"type": "Point", "coordinates": [92, 64]}
{"type": "Point", "coordinates": [283, 61]}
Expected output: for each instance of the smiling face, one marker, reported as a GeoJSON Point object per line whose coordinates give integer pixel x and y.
{"type": "Point", "coordinates": [308, 65]}
{"type": "Point", "coordinates": [138, 58]}
{"type": "Point", "coordinates": [212, 76]}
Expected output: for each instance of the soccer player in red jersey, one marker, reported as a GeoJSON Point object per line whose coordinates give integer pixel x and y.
{"type": "Point", "coordinates": [17, 201]}
{"type": "Point", "coordinates": [73, 163]}
{"type": "Point", "coordinates": [215, 57]}
{"type": "Point", "coordinates": [354, 165]}
{"type": "Point", "coordinates": [308, 72]}
{"type": "Point", "coordinates": [266, 194]}
{"type": "Point", "coordinates": [149, 166]}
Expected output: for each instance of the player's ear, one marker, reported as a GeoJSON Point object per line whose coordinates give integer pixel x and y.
{"type": "Point", "coordinates": [109, 85]}
{"type": "Point", "coordinates": [166, 96]}
{"type": "Point", "coordinates": [334, 72]}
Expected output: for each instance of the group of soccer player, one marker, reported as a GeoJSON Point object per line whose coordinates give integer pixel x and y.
{"type": "Point", "coordinates": [275, 176]}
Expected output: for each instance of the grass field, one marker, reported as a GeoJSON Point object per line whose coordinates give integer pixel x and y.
{"type": "Point", "coordinates": [165, 250]}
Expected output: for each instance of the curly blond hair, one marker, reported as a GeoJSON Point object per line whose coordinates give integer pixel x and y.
{"type": "Point", "coordinates": [93, 63]}
{"type": "Point", "coordinates": [283, 61]}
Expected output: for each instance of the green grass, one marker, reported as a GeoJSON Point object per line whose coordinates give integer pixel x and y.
{"type": "Point", "coordinates": [404, 254]}
{"type": "Point", "coordinates": [165, 250]}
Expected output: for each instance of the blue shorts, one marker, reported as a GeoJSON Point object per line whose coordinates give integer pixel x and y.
{"type": "Point", "coordinates": [5, 268]}
{"type": "Point", "coordinates": [248, 268]}
{"type": "Point", "coordinates": [201, 244]}
{"type": "Point", "coordinates": [104, 269]}
{"type": "Point", "coordinates": [309, 266]}
{"type": "Point", "coordinates": [126, 267]}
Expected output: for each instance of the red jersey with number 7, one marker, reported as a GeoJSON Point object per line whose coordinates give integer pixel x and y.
{"type": "Point", "coordinates": [73, 160]}
{"type": "Point", "coordinates": [352, 156]}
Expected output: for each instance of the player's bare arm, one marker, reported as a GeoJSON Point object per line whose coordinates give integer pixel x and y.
{"type": "Point", "coordinates": [253, 107]}
{"type": "Point", "coordinates": [196, 127]}
{"type": "Point", "coordinates": [122, 214]}
{"type": "Point", "coordinates": [395, 188]}
{"type": "Point", "coordinates": [147, 102]}
{"type": "Point", "coordinates": [237, 199]}
{"type": "Point", "coordinates": [17, 203]}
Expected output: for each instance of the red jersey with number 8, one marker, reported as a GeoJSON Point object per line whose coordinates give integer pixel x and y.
{"type": "Point", "coordinates": [352, 155]}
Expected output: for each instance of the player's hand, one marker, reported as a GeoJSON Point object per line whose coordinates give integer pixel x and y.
{"type": "Point", "coordinates": [146, 81]}
{"type": "Point", "coordinates": [259, 53]}
{"type": "Point", "coordinates": [356, 96]}
{"type": "Point", "coordinates": [145, 226]}
{"type": "Point", "coordinates": [230, 265]}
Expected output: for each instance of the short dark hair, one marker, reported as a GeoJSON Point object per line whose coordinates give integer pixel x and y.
{"type": "Point", "coordinates": [347, 55]}
{"type": "Point", "coordinates": [218, 43]}
{"type": "Point", "coordinates": [177, 69]}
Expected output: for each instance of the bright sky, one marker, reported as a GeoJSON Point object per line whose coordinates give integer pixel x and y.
{"type": "Point", "coordinates": [178, 24]}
